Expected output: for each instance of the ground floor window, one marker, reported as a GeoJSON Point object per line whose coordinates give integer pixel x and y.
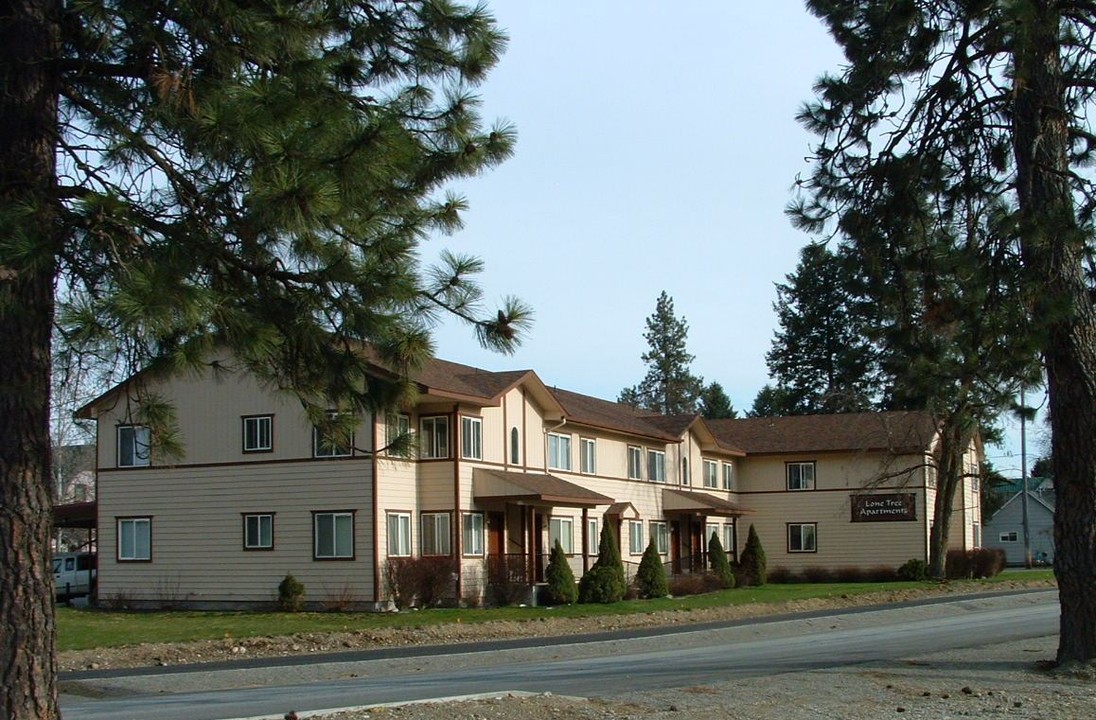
{"type": "Point", "coordinates": [333, 535]}
{"type": "Point", "coordinates": [473, 534]}
{"type": "Point", "coordinates": [258, 531]}
{"type": "Point", "coordinates": [399, 534]}
{"type": "Point", "coordinates": [562, 530]}
{"type": "Point", "coordinates": [435, 533]}
{"type": "Point", "coordinates": [660, 533]}
{"type": "Point", "coordinates": [635, 537]}
{"type": "Point", "coordinates": [135, 539]}
{"type": "Point", "coordinates": [802, 537]}
{"type": "Point", "coordinates": [592, 537]}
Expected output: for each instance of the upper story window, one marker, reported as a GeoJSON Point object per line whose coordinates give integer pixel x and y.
{"type": "Point", "coordinates": [396, 426]}
{"type": "Point", "coordinates": [686, 476]}
{"type": "Point", "coordinates": [656, 466]}
{"type": "Point", "coordinates": [434, 437]}
{"type": "Point", "coordinates": [515, 447]}
{"type": "Point", "coordinates": [134, 446]}
{"type": "Point", "coordinates": [635, 462]}
{"type": "Point", "coordinates": [258, 433]}
{"type": "Point", "coordinates": [328, 442]}
{"type": "Point", "coordinates": [559, 451]}
{"type": "Point", "coordinates": [587, 455]}
{"type": "Point", "coordinates": [711, 474]}
{"type": "Point", "coordinates": [728, 476]}
{"type": "Point", "coordinates": [800, 475]}
{"type": "Point", "coordinates": [471, 438]}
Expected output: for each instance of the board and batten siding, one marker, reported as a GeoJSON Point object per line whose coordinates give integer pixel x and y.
{"type": "Point", "coordinates": [197, 532]}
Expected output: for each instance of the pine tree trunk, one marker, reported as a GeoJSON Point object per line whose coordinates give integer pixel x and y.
{"type": "Point", "coordinates": [1053, 247]}
{"type": "Point", "coordinates": [28, 123]}
{"type": "Point", "coordinates": [948, 477]}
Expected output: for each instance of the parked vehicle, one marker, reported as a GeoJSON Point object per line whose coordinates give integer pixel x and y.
{"type": "Point", "coordinates": [73, 574]}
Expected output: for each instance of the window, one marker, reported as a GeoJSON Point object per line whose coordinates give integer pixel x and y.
{"type": "Point", "coordinates": [259, 531]}
{"type": "Point", "coordinates": [396, 426]}
{"type": "Point", "coordinates": [635, 463]}
{"type": "Point", "coordinates": [471, 438]}
{"type": "Point", "coordinates": [592, 537]}
{"type": "Point", "coordinates": [515, 454]}
{"type": "Point", "coordinates": [1010, 537]}
{"type": "Point", "coordinates": [709, 530]}
{"type": "Point", "coordinates": [728, 476]}
{"type": "Point", "coordinates": [656, 466]}
{"type": "Point", "coordinates": [434, 437]}
{"type": "Point", "coordinates": [660, 533]}
{"type": "Point", "coordinates": [802, 537]}
{"type": "Point", "coordinates": [686, 478]}
{"type": "Point", "coordinates": [587, 455]}
{"type": "Point", "coordinates": [711, 474]}
{"type": "Point", "coordinates": [333, 534]}
{"type": "Point", "coordinates": [258, 433]}
{"type": "Point", "coordinates": [800, 475]}
{"type": "Point", "coordinates": [563, 530]}
{"type": "Point", "coordinates": [134, 446]}
{"type": "Point", "coordinates": [473, 534]}
{"type": "Point", "coordinates": [559, 451]}
{"type": "Point", "coordinates": [134, 539]}
{"type": "Point", "coordinates": [728, 540]}
{"type": "Point", "coordinates": [635, 537]}
{"type": "Point", "coordinates": [435, 534]}
{"type": "Point", "coordinates": [332, 441]}
{"type": "Point", "coordinates": [399, 534]}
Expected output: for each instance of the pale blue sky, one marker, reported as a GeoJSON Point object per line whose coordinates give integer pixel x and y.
{"type": "Point", "coordinates": [657, 148]}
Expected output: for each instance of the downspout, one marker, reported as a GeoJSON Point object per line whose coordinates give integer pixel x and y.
{"type": "Point", "coordinates": [455, 533]}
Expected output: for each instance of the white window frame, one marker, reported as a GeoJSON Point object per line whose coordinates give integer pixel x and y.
{"type": "Point", "coordinates": [396, 425]}
{"type": "Point", "coordinates": [559, 451]}
{"type": "Point", "coordinates": [635, 462]}
{"type": "Point", "coordinates": [474, 532]}
{"type": "Point", "coordinates": [138, 451]}
{"type": "Point", "coordinates": [258, 433]}
{"type": "Point", "coordinates": [728, 476]}
{"type": "Point", "coordinates": [656, 465]}
{"type": "Point", "coordinates": [709, 530]}
{"type": "Point", "coordinates": [593, 536]}
{"type": "Point", "coordinates": [258, 531]}
{"type": "Point", "coordinates": [435, 539]}
{"type": "Point", "coordinates": [727, 539]}
{"type": "Point", "coordinates": [398, 531]}
{"type": "Point", "coordinates": [660, 531]}
{"type": "Point", "coordinates": [434, 437]}
{"type": "Point", "coordinates": [795, 472]}
{"type": "Point", "coordinates": [636, 546]}
{"type": "Point", "coordinates": [471, 437]}
{"type": "Point", "coordinates": [562, 528]}
{"type": "Point", "coordinates": [138, 547]}
{"type": "Point", "coordinates": [341, 521]}
{"type": "Point", "coordinates": [711, 474]}
{"type": "Point", "coordinates": [587, 455]}
{"type": "Point", "coordinates": [796, 532]}
{"type": "Point", "coordinates": [1010, 537]}
{"type": "Point", "coordinates": [323, 447]}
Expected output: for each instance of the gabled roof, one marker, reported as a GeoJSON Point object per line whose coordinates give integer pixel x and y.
{"type": "Point", "coordinates": [532, 488]}
{"type": "Point", "coordinates": [896, 431]}
{"type": "Point", "coordinates": [606, 415]}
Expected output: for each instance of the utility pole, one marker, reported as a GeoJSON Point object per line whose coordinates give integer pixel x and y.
{"type": "Point", "coordinates": [1024, 479]}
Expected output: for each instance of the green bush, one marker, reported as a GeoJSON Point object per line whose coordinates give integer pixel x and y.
{"type": "Point", "coordinates": [290, 594]}
{"type": "Point", "coordinates": [721, 566]}
{"type": "Point", "coordinates": [604, 582]}
{"type": "Point", "coordinates": [752, 565]}
{"type": "Point", "coordinates": [651, 576]}
{"type": "Point", "coordinates": [561, 580]}
{"type": "Point", "coordinates": [914, 569]}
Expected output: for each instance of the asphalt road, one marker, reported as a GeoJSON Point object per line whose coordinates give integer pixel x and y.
{"type": "Point", "coordinates": [600, 668]}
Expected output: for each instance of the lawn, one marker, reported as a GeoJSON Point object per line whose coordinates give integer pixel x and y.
{"type": "Point", "coordinates": [81, 629]}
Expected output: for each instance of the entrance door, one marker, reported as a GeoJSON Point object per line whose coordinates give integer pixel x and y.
{"type": "Point", "coordinates": [496, 523]}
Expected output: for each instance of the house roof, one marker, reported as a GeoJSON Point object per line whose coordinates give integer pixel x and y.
{"type": "Point", "coordinates": [908, 431]}
{"type": "Point", "coordinates": [594, 412]}
{"type": "Point", "coordinates": [688, 501]}
{"type": "Point", "coordinates": [532, 488]}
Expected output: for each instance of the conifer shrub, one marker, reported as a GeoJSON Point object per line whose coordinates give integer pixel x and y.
{"type": "Point", "coordinates": [604, 581]}
{"type": "Point", "coordinates": [751, 568]}
{"type": "Point", "coordinates": [721, 566]}
{"type": "Point", "coordinates": [651, 576]}
{"type": "Point", "coordinates": [290, 594]}
{"type": "Point", "coordinates": [561, 588]}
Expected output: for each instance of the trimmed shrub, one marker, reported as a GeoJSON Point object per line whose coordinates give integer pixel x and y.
{"type": "Point", "coordinates": [721, 567]}
{"type": "Point", "coordinates": [290, 594]}
{"type": "Point", "coordinates": [604, 582]}
{"type": "Point", "coordinates": [880, 573]}
{"type": "Point", "coordinates": [651, 576]}
{"type": "Point", "coordinates": [914, 569]}
{"type": "Point", "coordinates": [420, 582]}
{"type": "Point", "coordinates": [694, 584]}
{"type": "Point", "coordinates": [753, 562]}
{"type": "Point", "coordinates": [848, 574]}
{"type": "Point", "coordinates": [817, 575]}
{"type": "Point", "coordinates": [986, 562]}
{"type": "Point", "coordinates": [781, 575]}
{"type": "Point", "coordinates": [957, 565]}
{"type": "Point", "coordinates": [561, 588]}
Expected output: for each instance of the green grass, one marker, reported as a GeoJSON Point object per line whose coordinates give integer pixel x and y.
{"type": "Point", "coordinates": [86, 628]}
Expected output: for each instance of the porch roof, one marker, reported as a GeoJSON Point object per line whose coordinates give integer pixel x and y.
{"type": "Point", "coordinates": [532, 488]}
{"type": "Point", "coordinates": [685, 501]}
{"type": "Point", "coordinates": [76, 515]}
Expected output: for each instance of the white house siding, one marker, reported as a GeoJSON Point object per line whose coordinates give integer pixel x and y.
{"type": "Point", "coordinates": [197, 532]}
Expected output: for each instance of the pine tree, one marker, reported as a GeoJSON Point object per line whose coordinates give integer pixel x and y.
{"type": "Point", "coordinates": [721, 566]}
{"type": "Point", "coordinates": [979, 113]}
{"type": "Point", "coordinates": [714, 403]}
{"type": "Point", "coordinates": [651, 575]}
{"type": "Point", "coordinates": [772, 401]}
{"type": "Point", "coordinates": [753, 564]}
{"type": "Point", "coordinates": [560, 578]}
{"type": "Point", "coordinates": [250, 177]}
{"type": "Point", "coordinates": [669, 387]}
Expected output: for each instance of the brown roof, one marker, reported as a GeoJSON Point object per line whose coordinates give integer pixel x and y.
{"type": "Point", "coordinates": [536, 488]}
{"type": "Point", "coordinates": [698, 502]}
{"type": "Point", "coordinates": [607, 415]}
{"type": "Point", "coordinates": [908, 431]}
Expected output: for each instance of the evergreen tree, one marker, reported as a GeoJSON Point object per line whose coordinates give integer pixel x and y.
{"type": "Point", "coordinates": [753, 564]}
{"type": "Point", "coordinates": [651, 575]}
{"type": "Point", "coordinates": [721, 566]}
{"type": "Point", "coordinates": [714, 403]}
{"type": "Point", "coordinates": [560, 578]}
{"type": "Point", "coordinates": [604, 582]}
{"type": "Point", "coordinates": [772, 402]}
{"type": "Point", "coordinates": [669, 387]}
{"type": "Point", "coordinates": [250, 177]}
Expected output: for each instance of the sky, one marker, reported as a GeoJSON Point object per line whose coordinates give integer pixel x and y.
{"type": "Point", "coordinates": [657, 150]}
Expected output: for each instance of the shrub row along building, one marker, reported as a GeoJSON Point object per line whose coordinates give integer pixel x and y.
{"type": "Point", "coordinates": [505, 466]}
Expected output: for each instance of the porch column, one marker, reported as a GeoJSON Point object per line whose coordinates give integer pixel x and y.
{"type": "Point", "coordinates": [585, 539]}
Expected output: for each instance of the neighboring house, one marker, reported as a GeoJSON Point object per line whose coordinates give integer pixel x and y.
{"type": "Point", "coordinates": [506, 466]}
{"type": "Point", "coordinates": [73, 469]}
{"type": "Point", "coordinates": [1005, 530]}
